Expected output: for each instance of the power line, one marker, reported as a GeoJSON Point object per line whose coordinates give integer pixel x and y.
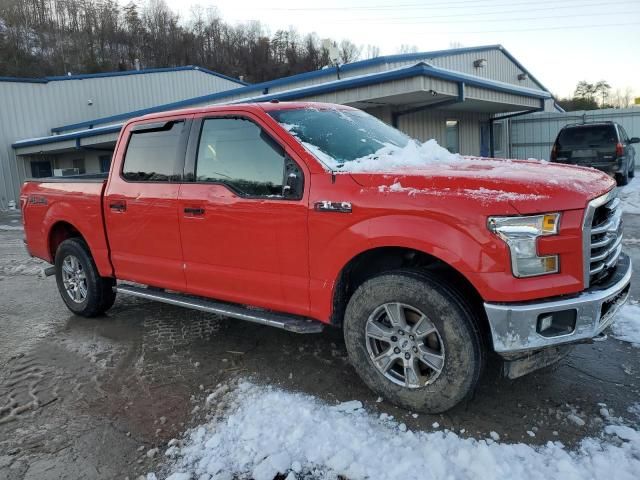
{"type": "Point", "coordinates": [421, 6]}
{"type": "Point", "coordinates": [472, 18]}
{"type": "Point", "coordinates": [564, 27]}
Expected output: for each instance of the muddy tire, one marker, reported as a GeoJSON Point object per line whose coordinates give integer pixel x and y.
{"type": "Point", "coordinates": [413, 340]}
{"type": "Point", "coordinates": [81, 287]}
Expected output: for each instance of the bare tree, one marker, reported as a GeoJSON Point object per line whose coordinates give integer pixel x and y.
{"type": "Point", "coordinates": [349, 51]}
{"type": "Point", "coordinates": [54, 37]}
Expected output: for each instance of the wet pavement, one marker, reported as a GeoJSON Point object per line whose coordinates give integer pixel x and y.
{"type": "Point", "coordinates": [93, 398]}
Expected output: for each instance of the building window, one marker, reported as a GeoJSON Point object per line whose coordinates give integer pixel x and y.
{"type": "Point", "coordinates": [40, 169]}
{"type": "Point", "coordinates": [78, 163]}
{"type": "Point", "coordinates": [498, 149]}
{"type": "Point", "coordinates": [452, 136]}
{"type": "Point", "coordinates": [105, 163]}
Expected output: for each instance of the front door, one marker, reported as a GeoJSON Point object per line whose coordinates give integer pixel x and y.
{"type": "Point", "coordinates": [244, 232]}
{"type": "Point", "coordinates": [140, 204]}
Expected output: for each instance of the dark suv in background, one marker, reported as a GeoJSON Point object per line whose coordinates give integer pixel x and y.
{"type": "Point", "coordinates": [604, 146]}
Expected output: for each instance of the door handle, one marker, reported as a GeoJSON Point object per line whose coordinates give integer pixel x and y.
{"type": "Point", "coordinates": [194, 211]}
{"type": "Point", "coordinates": [118, 205]}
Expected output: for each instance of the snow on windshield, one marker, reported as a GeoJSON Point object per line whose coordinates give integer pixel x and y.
{"type": "Point", "coordinates": [388, 157]}
{"type": "Point", "coordinates": [391, 157]}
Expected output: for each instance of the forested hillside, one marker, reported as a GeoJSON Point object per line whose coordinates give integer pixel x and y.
{"type": "Point", "coordinates": [55, 37]}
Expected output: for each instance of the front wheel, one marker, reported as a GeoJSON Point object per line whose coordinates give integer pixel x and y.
{"type": "Point", "coordinates": [414, 341]}
{"type": "Point", "coordinates": [81, 287]}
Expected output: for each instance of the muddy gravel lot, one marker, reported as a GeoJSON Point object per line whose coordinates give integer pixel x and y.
{"type": "Point", "coordinates": [94, 398]}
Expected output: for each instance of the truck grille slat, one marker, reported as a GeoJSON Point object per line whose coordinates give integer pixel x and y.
{"type": "Point", "coordinates": [602, 237]}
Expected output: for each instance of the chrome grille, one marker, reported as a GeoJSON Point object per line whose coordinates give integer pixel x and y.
{"type": "Point", "coordinates": [602, 237]}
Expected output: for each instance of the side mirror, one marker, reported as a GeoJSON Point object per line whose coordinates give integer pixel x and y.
{"type": "Point", "coordinates": [634, 140]}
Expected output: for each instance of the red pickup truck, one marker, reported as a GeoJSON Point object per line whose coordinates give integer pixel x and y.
{"type": "Point", "coordinates": [301, 215]}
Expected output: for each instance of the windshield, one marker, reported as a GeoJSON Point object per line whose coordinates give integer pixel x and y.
{"type": "Point", "coordinates": [339, 136]}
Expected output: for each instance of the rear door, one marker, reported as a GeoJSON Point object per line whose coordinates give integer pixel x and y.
{"type": "Point", "coordinates": [244, 234]}
{"type": "Point", "coordinates": [588, 145]}
{"type": "Point", "coordinates": [140, 203]}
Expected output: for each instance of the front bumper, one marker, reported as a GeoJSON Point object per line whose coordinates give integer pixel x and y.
{"type": "Point", "coordinates": [514, 326]}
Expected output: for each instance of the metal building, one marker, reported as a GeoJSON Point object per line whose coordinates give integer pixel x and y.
{"type": "Point", "coordinates": [33, 107]}
{"type": "Point", "coordinates": [454, 96]}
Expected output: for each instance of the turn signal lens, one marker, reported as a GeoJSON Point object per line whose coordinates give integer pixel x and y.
{"type": "Point", "coordinates": [550, 224]}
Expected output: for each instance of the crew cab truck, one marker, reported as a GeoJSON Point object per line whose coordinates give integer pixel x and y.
{"type": "Point", "coordinates": [302, 215]}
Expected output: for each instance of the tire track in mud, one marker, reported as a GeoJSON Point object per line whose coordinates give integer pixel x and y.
{"type": "Point", "coordinates": [26, 388]}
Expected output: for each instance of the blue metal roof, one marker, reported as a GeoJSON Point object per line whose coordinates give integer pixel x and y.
{"type": "Point", "coordinates": [421, 69]}
{"type": "Point", "coordinates": [329, 71]}
{"type": "Point", "coordinates": [60, 78]}
{"type": "Point", "coordinates": [29, 142]}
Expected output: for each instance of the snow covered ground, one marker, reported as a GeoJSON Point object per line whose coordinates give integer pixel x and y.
{"type": "Point", "coordinates": [8, 228]}
{"type": "Point", "coordinates": [267, 431]}
{"type": "Point", "coordinates": [627, 324]}
{"type": "Point", "coordinates": [630, 196]}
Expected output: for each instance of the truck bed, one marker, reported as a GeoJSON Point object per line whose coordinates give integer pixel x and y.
{"type": "Point", "coordinates": [54, 205]}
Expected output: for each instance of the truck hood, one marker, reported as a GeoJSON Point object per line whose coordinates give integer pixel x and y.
{"type": "Point", "coordinates": [528, 186]}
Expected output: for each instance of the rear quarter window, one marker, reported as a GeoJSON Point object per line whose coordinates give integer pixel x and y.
{"type": "Point", "coordinates": [155, 155]}
{"type": "Point", "coordinates": [595, 136]}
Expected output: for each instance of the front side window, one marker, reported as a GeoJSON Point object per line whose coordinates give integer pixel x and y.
{"type": "Point", "coordinates": [238, 153]}
{"type": "Point", "coordinates": [154, 155]}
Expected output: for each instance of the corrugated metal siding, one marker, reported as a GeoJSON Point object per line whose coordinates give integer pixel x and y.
{"type": "Point", "coordinates": [532, 136]}
{"type": "Point", "coordinates": [32, 109]}
{"type": "Point", "coordinates": [478, 93]}
{"type": "Point", "coordinates": [431, 124]}
{"type": "Point", "coordinates": [499, 67]}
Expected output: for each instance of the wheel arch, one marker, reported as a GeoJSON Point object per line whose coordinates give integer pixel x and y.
{"type": "Point", "coordinates": [59, 232]}
{"type": "Point", "coordinates": [377, 260]}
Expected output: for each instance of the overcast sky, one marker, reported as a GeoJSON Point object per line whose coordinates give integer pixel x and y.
{"type": "Point", "coordinates": [559, 41]}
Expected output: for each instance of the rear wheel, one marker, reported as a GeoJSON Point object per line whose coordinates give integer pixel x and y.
{"type": "Point", "coordinates": [414, 341]}
{"type": "Point", "coordinates": [81, 287]}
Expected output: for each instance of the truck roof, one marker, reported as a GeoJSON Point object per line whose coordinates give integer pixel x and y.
{"type": "Point", "coordinates": [266, 106]}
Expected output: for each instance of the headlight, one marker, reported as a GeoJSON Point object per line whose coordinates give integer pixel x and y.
{"type": "Point", "coordinates": [521, 235]}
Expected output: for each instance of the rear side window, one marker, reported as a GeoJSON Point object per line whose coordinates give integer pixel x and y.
{"type": "Point", "coordinates": [155, 155]}
{"type": "Point", "coordinates": [238, 153]}
{"type": "Point", "coordinates": [591, 136]}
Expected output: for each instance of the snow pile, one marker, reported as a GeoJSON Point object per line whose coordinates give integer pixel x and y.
{"type": "Point", "coordinates": [626, 326]}
{"type": "Point", "coordinates": [630, 196]}
{"type": "Point", "coordinates": [29, 266]}
{"type": "Point", "coordinates": [7, 228]}
{"type": "Point", "coordinates": [391, 157]}
{"type": "Point", "coordinates": [269, 431]}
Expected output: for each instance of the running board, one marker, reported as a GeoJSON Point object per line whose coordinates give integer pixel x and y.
{"type": "Point", "coordinates": [284, 321]}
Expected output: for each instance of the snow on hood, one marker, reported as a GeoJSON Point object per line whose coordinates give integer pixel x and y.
{"type": "Point", "coordinates": [428, 169]}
